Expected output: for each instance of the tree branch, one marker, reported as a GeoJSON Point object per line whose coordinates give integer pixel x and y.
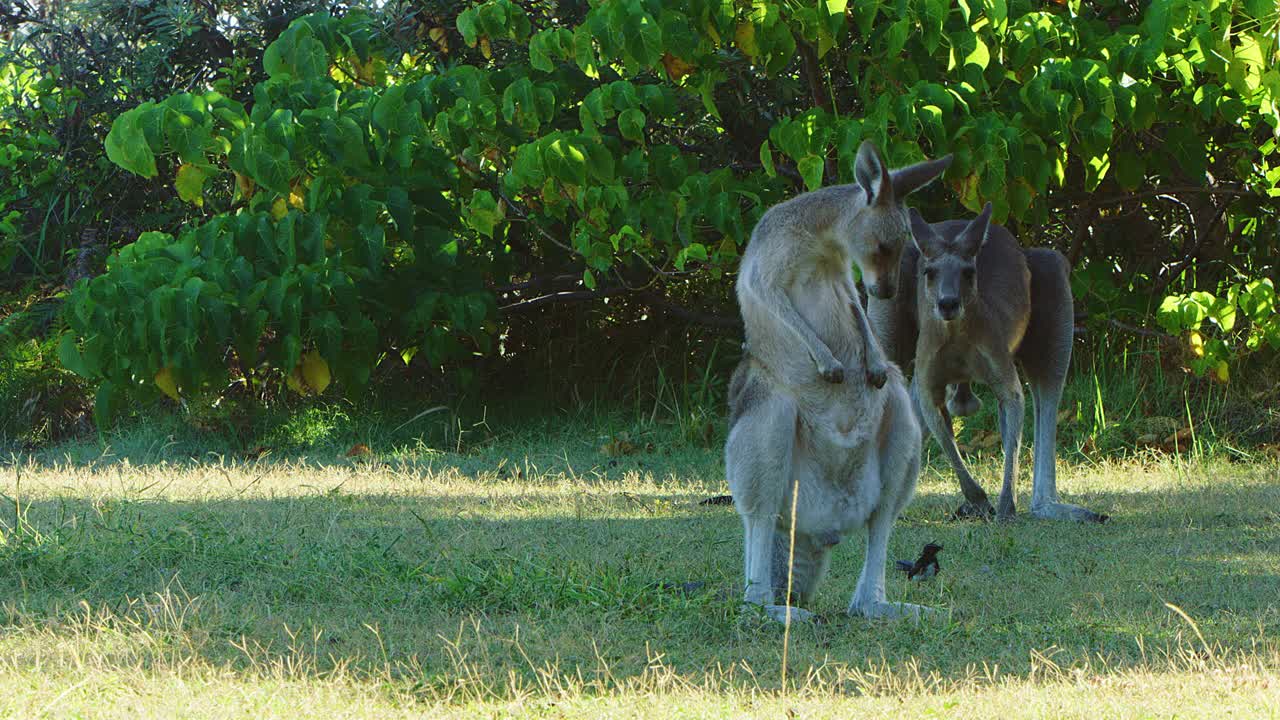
{"type": "Point", "coordinates": [720, 322]}
{"type": "Point", "coordinates": [1175, 190]}
{"type": "Point", "coordinates": [1160, 335]}
{"type": "Point", "coordinates": [653, 300]}
{"type": "Point", "coordinates": [1189, 253]}
{"type": "Point", "coordinates": [566, 296]}
{"type": "Point", "coordinates": [1083, 214]}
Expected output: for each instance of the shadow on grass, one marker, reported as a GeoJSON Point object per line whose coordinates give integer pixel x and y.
{"type": "Point", "coordinates": [520, 581]}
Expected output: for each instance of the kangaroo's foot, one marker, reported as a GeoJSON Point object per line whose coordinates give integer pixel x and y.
{"type": "Point", "coordinates": [891, 610]}
{"type": "Point", "coordinates": [970, 510]}
{"type": "Point", "coordinates": [1067, 511]}
{"type": "Point", "coordinates": [833, 374]}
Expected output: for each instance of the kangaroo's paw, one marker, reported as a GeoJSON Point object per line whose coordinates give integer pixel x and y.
{"type": "Point", "coordinates": [1067, 511]}
{"type": "Point", "coordinates": [778, 613]}
{"type": "Point", "coordinates": [877, 376]}
{"type": "Point", "coordinates": [833, 374]}
{"type": "Point", "coordinates": [974, 511]}
{"type": "Point", "coordinates": [891, 610]}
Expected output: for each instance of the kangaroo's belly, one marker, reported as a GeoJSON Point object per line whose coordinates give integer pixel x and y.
{"type": "Point", "coordinates": [839, 486]}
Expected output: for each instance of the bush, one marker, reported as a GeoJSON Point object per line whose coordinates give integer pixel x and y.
{"type": "Point", "coordinates": [343, 242]}
{"type": "Point", "coordinates": [456, 159]}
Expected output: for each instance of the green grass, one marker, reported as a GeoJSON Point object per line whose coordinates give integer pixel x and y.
{"type": "Point", "coordinates": [524, 576]}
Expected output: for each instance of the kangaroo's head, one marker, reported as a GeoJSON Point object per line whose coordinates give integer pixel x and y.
{"type": "Point", "coordinates": [949, 264]}
{"type": "Point", "coordinates": [880, 230]}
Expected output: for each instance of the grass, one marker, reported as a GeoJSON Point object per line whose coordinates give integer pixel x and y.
{"type": "Point", "coordinates": [533, 575]}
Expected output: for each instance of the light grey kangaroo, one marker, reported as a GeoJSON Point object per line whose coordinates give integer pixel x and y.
{"type": "Point", "coordinates": [814, 407]}
{"type": "Point", "coordinates": [973, 305]}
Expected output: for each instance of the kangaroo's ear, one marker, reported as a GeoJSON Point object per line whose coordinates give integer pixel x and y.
{"type": "Point", "coordinates": [913, 177]}
{"type": "Point", "coordinates": [927, 241]}
{"type": "Point", "coordinates": [974, 235]}
{"type": "Point", "coordinates": [872, 174]}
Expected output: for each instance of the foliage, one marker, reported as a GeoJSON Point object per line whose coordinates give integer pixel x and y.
{"type": "Point", "coordinates": [1243, 315]}
{"type": "Point", "coordinates": [624, 150]}
{"type": "Point", "coordinates": [345, 214]}
{"type": "Point", "coordinates": [66, 71]}
{"type": "Point", "coordinates": [647, 136]}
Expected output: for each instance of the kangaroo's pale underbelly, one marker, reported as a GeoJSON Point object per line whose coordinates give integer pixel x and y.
{"type": "Point", "coordinates": [839, 486]}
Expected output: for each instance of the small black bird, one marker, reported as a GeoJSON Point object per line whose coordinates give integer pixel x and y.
{"type": "Point", "coordinates": [926, 566]}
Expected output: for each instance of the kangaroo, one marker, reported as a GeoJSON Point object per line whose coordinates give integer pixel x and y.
{"type": "Point", "coordinates": [974, 304]}
{"type": "Point", "coordinates": [816, 412]}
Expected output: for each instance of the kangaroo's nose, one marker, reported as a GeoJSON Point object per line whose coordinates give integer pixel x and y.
{"type": "Point", "coordinates": [948, 305]}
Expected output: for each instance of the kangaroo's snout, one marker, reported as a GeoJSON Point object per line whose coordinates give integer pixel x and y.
{"type": "Point", "coordinates": [948, 307]}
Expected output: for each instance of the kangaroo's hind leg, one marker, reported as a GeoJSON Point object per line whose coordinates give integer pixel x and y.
{"type": "Point", "coordinates": [758, 466]}
{"type": "Point", "coordinates": [897, 467]}
{"type": "Point", "coordinates": [930, 406]}
{"type": "Point", "coordinates": [1008, 390]}
{"type": "Point", "coordinates": [1045, 355]}
{"type": "Point", "coordinates": [809, 559]}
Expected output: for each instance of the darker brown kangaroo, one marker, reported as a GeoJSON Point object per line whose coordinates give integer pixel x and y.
{"type": "Point", "coordinates": [974, 305]}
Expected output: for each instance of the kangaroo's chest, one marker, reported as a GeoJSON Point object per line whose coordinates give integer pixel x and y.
{"type": "Point", "coordinates": [958, 359]}
{"type": "Point", "coordinates": [822, 300]}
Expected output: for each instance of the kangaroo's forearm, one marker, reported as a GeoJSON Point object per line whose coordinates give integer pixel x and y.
{"type": "Point", "coordinates": [874, 353]}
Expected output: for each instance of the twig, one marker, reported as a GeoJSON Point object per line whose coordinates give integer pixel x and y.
{"type": "Point", "coordinates": [567, 296]}
{"type": "Point", "coordinates": [1080, 231]}
{"type": "Point", "coordinates": [656, 301]}
{"type": "Point", "coordinates": [1189, 254]}
{"type": "Point", "coordinates": [1131, 329]}
{"type": "Point", "coordinates": [524, 215]}
{"type": "Point", "coordinates": [1175, 190]}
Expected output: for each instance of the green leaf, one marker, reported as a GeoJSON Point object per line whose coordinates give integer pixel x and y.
{"type": "Point", "coordinates": [466, 24]}
{"type": "Point", "coordinates": [566, 162]}
{"type": "Point", "coordinates": [979, 55]}
{"type": "Point", "coordinates": [631, 125]}
{"type": "Point", "coordinates": [896, 39]}
{"type": "Point", "coordinates": [104, 406]}
{"type": "Point", "coordinates": [766, 159]}
{"type": "Point", "coordinates": [932, 21]}
{"type": "Point", "coordinates": [483, 212]}
{"type": "Point", "coordinates": [584, 52]}
{"type": "Point", "coordinates": [127, 142]}
{"type": "Point", "coordinates": [269, 164]}
{"type": "Point", "coordinates": [1223, 314]}
{"type": "Point", "coordinates": [811, 169]}
{"type": "Point", "coordinates": [1258, 300]}
{"type": "Point", "coordinates": [644, 40]}
{"type": "Point", "coordinates": [185, 127]}
{"type": "Point", "coordinates": [296, 53]}
{"type": "Point", "coordinates": [69, 356]}
{"type": "Point", "coordinates": [1130, 170]}
{"type": "Point", "coordinates": [190, 183]}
